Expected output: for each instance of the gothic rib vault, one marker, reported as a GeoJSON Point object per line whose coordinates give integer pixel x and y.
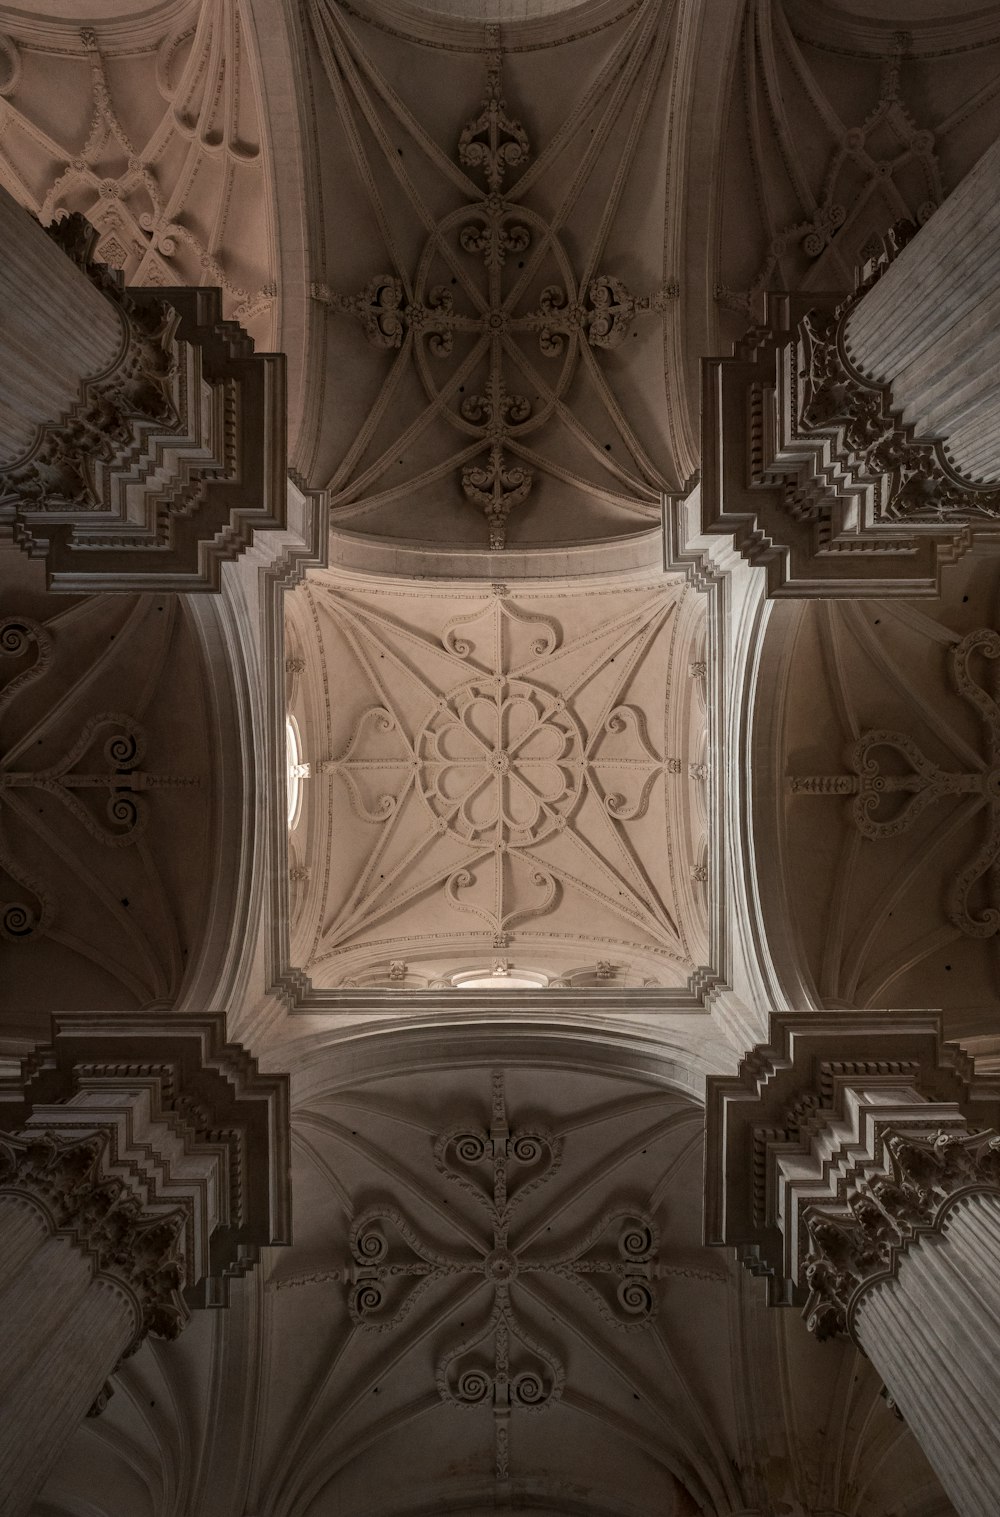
{"type": "Point", "coordinates": [499, 779]}
{"type": "Point", "coordinates": [490, 798]}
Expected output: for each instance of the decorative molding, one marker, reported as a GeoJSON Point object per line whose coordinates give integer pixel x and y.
{"type": "Point", "coordinates": [814, 474]}
{"type": "Point", "coordinates": [886, 1214]}
{"type": "Point", "coordinates": [801, 1127]}
{"type": "Point", "coordinates": [167, 462]}
{"type": "Point", "coordinates": [896, 476]}
{"type": "Point", "coordinates": [139, 1249]}
{"type": "Point", "coordinates": [188, 1120]}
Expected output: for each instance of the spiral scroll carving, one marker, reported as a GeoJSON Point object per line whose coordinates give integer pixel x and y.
{"type": "Point", "coordinates": [500, 1365]}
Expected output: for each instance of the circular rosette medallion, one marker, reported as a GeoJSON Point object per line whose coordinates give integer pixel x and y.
{"type": "Point", "coordinates": [501, 762]}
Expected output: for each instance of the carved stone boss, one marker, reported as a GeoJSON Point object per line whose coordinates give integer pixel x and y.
{"type": "Point", "coordinates": [501, 1365]}
{"type": "Point", "coordinates": [167, 460]}
{"type": "Point", "coordinates": [497, 421]}
{"type": "Point", "coordinates": [886, 802]}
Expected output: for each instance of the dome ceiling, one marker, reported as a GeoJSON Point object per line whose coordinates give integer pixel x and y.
{"type": "Point", "coordinates": [499, 777]}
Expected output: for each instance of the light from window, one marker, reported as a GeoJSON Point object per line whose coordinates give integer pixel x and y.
{"type": "Point", "coordinates": [297, 771]}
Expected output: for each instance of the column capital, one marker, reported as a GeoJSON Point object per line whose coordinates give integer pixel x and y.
{"type": "Point", "coordinates": [812, 463]}
{"type": "Point", "coordinates": [924, 1173]}
{"type": "Point", "coordinates": [167, 458]}
{"type": "Point", "coordinates": [71, 1181]}
{"type": "Point", "coordinates": [151, 1127]}
{"type": "Point", "coordinates": [836, 1144]}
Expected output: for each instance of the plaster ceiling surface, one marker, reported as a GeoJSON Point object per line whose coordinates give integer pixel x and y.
{"type": "Point", "coordinates": [841, 121]}
{"type": "Point", "coordinates": [146, 120]}
{"type": "Point", "coordinates": [492, 368]}
{"type": "Point", "coordinates": [885, 743]}
{"type": "Point", "coordinates": [500, 780]}
{"type": "Point", "coordinates": [497, 1299]}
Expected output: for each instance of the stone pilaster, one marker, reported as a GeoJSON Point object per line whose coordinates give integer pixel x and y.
{"type": "Point", "coordinates": [143, 1163]}
{"type": "Point", "coordinates": [855, 1163]}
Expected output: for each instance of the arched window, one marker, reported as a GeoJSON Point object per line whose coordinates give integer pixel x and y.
{"type": "Point", "coordinates": [297, 770]}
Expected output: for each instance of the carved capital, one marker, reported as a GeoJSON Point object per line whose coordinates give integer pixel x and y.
{"type": "Point", "coordinates": [885, 1213]}
{"type": "Point", "coordinates": [165, 462]}
{"type": "Point", "coordinates": [150, 1138]}
{"type": "Point", "coordinates": [68, 1180]}
{"type": "Point", "coordinates": [811, 467]}
{"type": "Point", "coordinates": [837, 1145]}
{"type": "Point", "coordinates": [897, 476]}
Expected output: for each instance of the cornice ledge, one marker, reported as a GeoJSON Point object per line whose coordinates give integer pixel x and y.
{"type": "Point", "coordinates": [820, 1079]}
{"type": "Point", "coordinates": [191, 1082]}
{"type": "Point", "coordinates": [813, 473]}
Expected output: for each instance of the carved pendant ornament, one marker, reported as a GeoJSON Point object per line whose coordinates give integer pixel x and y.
{"type": "Point", "coordinates": [894, 783]}
{"type": "Point", "coordinates": [851, 1249]}
{"type": "Point", "coordinates": [501, 1367]}
{"type": "Point", "coordinates": [489, 388]}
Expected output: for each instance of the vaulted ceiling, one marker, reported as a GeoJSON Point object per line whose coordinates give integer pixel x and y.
{"type": "Point", "coordinates": [494, 324]}
{"type": "Point", "coordinates": [497, 1292]}
{"type": "Point", "coordinates": [494, 242]}
{"type": "Point", "coordinates": [149, 124]}
{"type": "Point", "coordinates": [883, 728]}
{"type": "Point", "coordinates": [499, 777]}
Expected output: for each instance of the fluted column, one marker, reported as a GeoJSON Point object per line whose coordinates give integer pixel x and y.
{"type": "Point", "coordinates": [143, 1161]}
{"type": "Point", "coordinates": [855, 1164]}
{"type": "Point", "coordinates": [56, 329]}
{"type": "Point", "coordinates": [928, 329]}
{"type": "Point", "coordinates": [942, 1307]}
{"type": "Point", "coordinates": [64, 1332]}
